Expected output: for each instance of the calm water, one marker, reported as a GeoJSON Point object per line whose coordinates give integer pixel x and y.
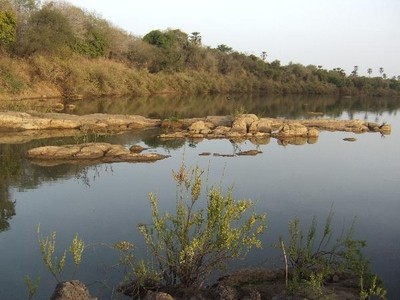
{"type": "Point", "coordinates": [104, 203]}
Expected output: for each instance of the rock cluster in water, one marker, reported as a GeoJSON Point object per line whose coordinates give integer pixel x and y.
{"type": "Point", "coordinates": [18, 127]}
{"type": "Point", "coordinates": [249, 126]}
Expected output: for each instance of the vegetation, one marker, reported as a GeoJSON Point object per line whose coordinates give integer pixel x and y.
{"type": "Point", "coordinates": [54, 264]}
{"type": "Point", "coordinates": [194, 242]}
{"type": "Point", "coordinates": [312, 262]}
{"type": "Point", "coordinates": [56, 49]}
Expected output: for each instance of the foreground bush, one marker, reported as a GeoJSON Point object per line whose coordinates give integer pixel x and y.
{"type": "Point", "coordinates": [194, 242]}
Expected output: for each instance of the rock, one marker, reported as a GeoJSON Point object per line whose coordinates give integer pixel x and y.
{"type": "Point", "coordinates": [175, 135]}
{"type": "Point", "coordinates": [292, 130]}
{"type": "Point", "coordinates": [150, 295]}
{"type": "Point", "coordinates": [227, 292]}
{"type": "Point", "coordinates": [205, 154]}
{"type": "Point", "coordinates": [239, 126]}
{"type": "Point", "coordinates": [93, 152]}
{"type": "Point", "coordinates": [385, 129]}
{"type": "Point", "coordinates": [71, 290]}
{"type": "Point", "coordinates": [197, 127]}
{"type": "Point", "coordinates": [15, 121]}
{"type": "Point", "coordinates": [243, 122]}
{"type": "Point", "coordinates": [172, 124]}
{"type": "Point", "coordinates": [312, 132]}
{"type": "Point", "coordinates": [249, 152]}
{"type": "Point", "coordinates": [137, 149]}
{"type": "Point", "coordinates": [221, 130]}
{"type": "Point", "coordinates": [262, 125]}
{"type": "Point", "coordinates": [248, 118]}
{"type": "Point", "coordinates": [350, 139]}
{"type": "Point", "coordinates": [220, 121]}
{"type": "Point", "coordinates": [372, 126]}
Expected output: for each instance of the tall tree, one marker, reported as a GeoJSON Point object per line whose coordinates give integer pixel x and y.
{"type": "Point", "coordinates": [8, 27]}
{"type": "Point", "coordinates": [355, 70]}
{"type": "Point", "coordinates": [264, 55]}
{"type": "Point", "coordinates": [381, 70]}
{"type": "Point", "coordinates": [369, 71]}
{"type": "Point", "coordinates": [195, 38]}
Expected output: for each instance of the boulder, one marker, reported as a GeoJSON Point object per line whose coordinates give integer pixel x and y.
{"type": "Point", "coordinates": [312, 132]}
{"type": "Point", "coordinates": [239, 126]}
{"type": "Point", "coordinates": [150, 295]}
{"type": "Point", "coordinates": [197, 126]}
{"type": "Point", "coordinates": [262, 125]}
{"type": "Point", "coordinates": [71, 290]}
{"type": "Point", "coordinates": [137, 149]}
{"type": "Point", "coordinates": [292, 130]}
{"type": "Point", "coordinates": [220, 121]}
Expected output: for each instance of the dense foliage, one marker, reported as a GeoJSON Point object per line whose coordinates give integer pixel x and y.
{"type": "Point", "coordinates": [71, 51]}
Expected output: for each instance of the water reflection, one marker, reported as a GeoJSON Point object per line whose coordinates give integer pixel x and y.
{"type": "Point", "coordinates": [167, 106]}
{"type": "Point", "coordinates": [164, 107]}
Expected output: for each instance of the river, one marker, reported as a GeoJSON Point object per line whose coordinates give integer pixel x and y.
{"type": "Point", "coordinates": [104, 203]}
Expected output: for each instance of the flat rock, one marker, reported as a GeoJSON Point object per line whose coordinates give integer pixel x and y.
{"type": "Point", "coordinates": [16, 121]}
{"type": "Point", "coordinates": [94, 152]}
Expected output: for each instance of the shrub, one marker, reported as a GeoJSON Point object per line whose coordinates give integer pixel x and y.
{"type": "Point", "coordinates": [192, 243]}
{"type": "Point", "coordinates": [313, 262]}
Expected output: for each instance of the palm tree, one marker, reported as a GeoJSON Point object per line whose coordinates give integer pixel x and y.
{"type": "Point", "coordinates": [369, 71]}
{"type": "Point", "coordinates": [195, 38]}
{"type": "Point", "coordinates": [355, 71]}
{"type": "Point", "coordinates": [264, 55]}
{"type": "Point", "coordinates": [381, 70]}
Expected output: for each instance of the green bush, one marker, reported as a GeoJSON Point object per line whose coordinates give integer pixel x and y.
{"type": "Point", "coordinates": [190, 244]}
{"type": "Point", "coordinates": [314, 261]}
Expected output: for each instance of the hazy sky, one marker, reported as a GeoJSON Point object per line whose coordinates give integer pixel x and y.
{"type": "Point", "coordinates": [334, 33]}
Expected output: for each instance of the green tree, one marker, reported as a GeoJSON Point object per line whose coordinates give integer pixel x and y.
{"type": "Point", "coordinates": [159, 39]}
{"type": "Point", "coordinates": [381, 70]}
{"type": "Point", "coordinates": [8, 27]}
{"type": "Point", "coordinates": [369, 71]}
{"type": "Point", "coordinates": [48, 31]}
{"type": "Point", "coordinates": [224, 48]}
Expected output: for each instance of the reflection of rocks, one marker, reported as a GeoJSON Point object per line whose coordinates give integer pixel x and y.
{"type": "Point", "coordinates": [95, 152]}
{"type": "Point", "coordinates": [297, 140]}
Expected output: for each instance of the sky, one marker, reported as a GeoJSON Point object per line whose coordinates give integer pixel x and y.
{"type": "Point", "coordinates": [334, 33]}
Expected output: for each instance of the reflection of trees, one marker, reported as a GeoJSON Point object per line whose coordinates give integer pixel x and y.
{"type": "Point", "coordinates": [167, 106]}
{"type": "Point", "coordinates": [9, 172]}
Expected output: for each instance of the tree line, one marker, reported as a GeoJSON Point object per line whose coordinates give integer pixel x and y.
{"type": "Point", "coordinates": [58, 30]}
